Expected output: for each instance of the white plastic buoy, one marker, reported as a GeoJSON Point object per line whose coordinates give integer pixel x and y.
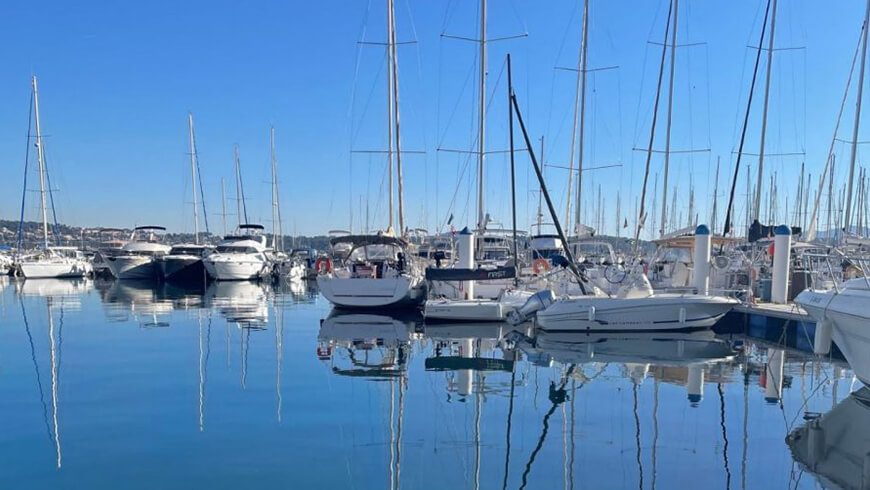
{"type": "Point", "coordinates": [465, 248]}
{"type": "Point", "coordinates": [775, 361]}
{"type": "Point", "coordinates": [822, 338]}
{"type": "Point", "coordinates": [703, 245]}
{"type": "Point", "coordinates": [695, 383]}
{"type": "Point", "coordinates": [781, 254]}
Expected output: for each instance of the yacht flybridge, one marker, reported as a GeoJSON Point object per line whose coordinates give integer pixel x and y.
{"type": "Point", "coordinates": [138, 258]}
{"type": "Point", "coordinates": [241, 256]}
{"type": "Point", "coordinates": [377, 273]}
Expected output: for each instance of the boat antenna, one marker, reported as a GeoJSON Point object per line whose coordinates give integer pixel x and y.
{"type": "Point", "coordinates": [727, 228]}
{"type": "Point", "coordinates": [571, 264]}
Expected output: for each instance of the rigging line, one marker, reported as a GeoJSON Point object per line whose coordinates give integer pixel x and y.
{"type": "Point", "coordinates": [26, 165]}
{"type": "Point", "coordinates": [55, 230]}
{"type": "Point", "coordinates": [724, 434]}
{"type": "Point", "coordinates": [36, 369]}
{"type": "Point", "coordinates": [201, 189]}
{"type": "Point", "coordinates": [351, 104]}
{"type": "Point", "coordinates": [727, 228]}
{"type": "Point", "coordinates": [546, 424]}
{"type": "Point", "coordinates": [828, 160]}
{"type": "Point", "coordinates": [641, 214]}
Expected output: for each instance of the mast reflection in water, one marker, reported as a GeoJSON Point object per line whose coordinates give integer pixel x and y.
{"type": "Point", "coordinates": [111, 385]}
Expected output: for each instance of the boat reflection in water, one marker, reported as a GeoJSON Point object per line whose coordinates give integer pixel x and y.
{"type": "Point", "coordinates": [67, 290]}
{"type": "Point", "coordinates": [679, 357]}
{"type": "Point", "coordinates": [244, 303]}
{"type": "Point", "coordinates": [835, 447]}
{"type": "Point", "coordinates": [367, 344]}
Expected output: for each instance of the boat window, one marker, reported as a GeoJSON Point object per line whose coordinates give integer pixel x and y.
{"type": "Point", "coordinates": [236, 249]}
{"type": "Point", "coordinates": [375, 252]}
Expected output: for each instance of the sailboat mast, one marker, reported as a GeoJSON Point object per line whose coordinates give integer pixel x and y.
{"type": "Point", "coordinates": [277, 231]}
{"type": "Point", "coordinates": [394, 74]}
{"type": "Point", "coordinates": [193, 178]}
{"type": "Point", "coordinates": [854, 154]}
{"type": "Point", "coordinates": [390, 111]}
{"type": "Point", "coordinates": [715, 197]}
{"type": "Point", "coordinates": [757, 206]}
{"type": "Point", "coordinates": [224, 203]}
{"type": "Point", "coordinates": [668, 123]}
{"type": "Point", "coordinates": [481, 147]}
{"type": "Point", "coordinates": [40, 155]}
{"type": "Point", "coordinates": [579, 120]}
{"type": "Point", "coordinates": [239, 196]}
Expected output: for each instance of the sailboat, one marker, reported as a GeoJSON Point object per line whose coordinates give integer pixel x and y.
{"type": "Point", "coordinates": [49, 261]}
{"type": "Point", "coordinates": [183, 263]}
{"type": "Point", "coordinates": [379, 271]}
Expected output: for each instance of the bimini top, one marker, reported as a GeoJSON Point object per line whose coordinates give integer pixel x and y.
{"type": "Point", "coordinates": [139, 228]}
{"type": "Point", "coordinates": [249, 226]}
{"type": "Point", "coordinates": [363, 240]}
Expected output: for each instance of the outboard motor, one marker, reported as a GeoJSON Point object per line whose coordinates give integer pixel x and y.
{"type": "Point", "coordinates": [535, 303]}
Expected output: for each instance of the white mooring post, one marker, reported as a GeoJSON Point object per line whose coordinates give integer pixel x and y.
{"type": "Point", "coordinates": [695, 383]}
{"type": "Point", "coordinates": [781, 254]}
{"type": "Point", "coordinates": [465, 248]}
{"type": "Point", "coordinates": [703, 246]}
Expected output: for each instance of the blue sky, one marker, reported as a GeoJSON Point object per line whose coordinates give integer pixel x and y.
{"type": "Point", "coordinates": [118, 78]}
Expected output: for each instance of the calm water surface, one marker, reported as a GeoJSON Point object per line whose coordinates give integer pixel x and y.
{"type": "Point", "coordinates": [110, 385]}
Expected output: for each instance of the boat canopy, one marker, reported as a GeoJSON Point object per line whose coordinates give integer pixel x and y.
{"type": "Point", "coordinates": [364, 240]}
{"type": "Point", "coordinates": [251, 226]}
{"type": "Point", "coordinates": [150, 227]}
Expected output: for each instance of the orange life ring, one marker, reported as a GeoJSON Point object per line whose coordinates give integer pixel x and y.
{"type": "Point", "coordinates": [540, 265]}
{"type": "Point", "coordinates": [323, 264]}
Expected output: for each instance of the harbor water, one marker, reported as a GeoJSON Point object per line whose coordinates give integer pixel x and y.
{"type": "Point", "coordinates": [242, 385]}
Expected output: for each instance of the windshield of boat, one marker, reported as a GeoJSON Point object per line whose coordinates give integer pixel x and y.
{"type": "Point", "coordinates": [236, 249]}
{"type": "Point", "coordinates": [590, 250]}
{"type": "Point", "coordinates": [186, 251]}
{"type": "Point", "coordinates": [496, 254]}
{"type": "Point", "coordinates": [374, 252]}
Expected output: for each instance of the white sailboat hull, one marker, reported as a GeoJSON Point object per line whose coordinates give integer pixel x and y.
{"type": "Point", "coordinates": [54, 269]}
{"type": "Point", "coordinates": [648, 314]}
{"type": "Point", "coordinates": [383, 292]}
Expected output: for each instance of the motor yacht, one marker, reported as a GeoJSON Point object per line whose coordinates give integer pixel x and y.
{"type": "Point", "coordinates": [242, 256]}
{"type": "Point", "coordinates": [184, 263]}
{"type": "Point", "coordinates": [137, 258]}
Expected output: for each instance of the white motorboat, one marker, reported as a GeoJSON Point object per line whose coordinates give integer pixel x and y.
{"type": "Point", "coordinates": [137, 259]}
{"type": "Point", "coordinates": [378, 273]}
{"type": "Point", "coordinates": [846, 308]}
{"type": "Point", "coordinates": [240, 257]}
{"type": "Point", "coordinates": [475, 310]}
{"type": "Point", "coordinates": [834, 446]}
{"type": "Point", "coordinates": [634, 308]}
{"type": "Point", "coordinates": [55, 263]}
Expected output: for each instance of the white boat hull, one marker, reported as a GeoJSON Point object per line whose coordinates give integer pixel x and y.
{"type": "Point", "coordinates": [387, 292]}
{"type": "Point", "coordinates": [54, 269]}
{"type": "Point", "coordinates": [649, 314]}
{"type": "Point", "coordinates": [229, 268]}
{"type": "Point", "coordinates": [475, 310]}
{"type": "Point", "coordinates": [132, 266]}
{"type": "Point", "coordinates": [848, 312]}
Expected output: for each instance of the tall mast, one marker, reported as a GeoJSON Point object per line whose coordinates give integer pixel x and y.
{"type": "Point", "coordinates": [240, 198]}
{"type": "Point", "coordinates": [481, 147]}
{"type": "Point", "coordinates": [755, 213]}
{"type": "Point", "coordinates": [40, 155]}
{"type": "Point", "coordinates": [830, 198]}
{"type": "Point", "coordinates": [641, 216]}
{"type": "Point", "coordinates": [668, 127]}
{"type": "Point", "coordinates": [277, 231]}
{"type": "Point", "coordinates": [848, 217]}
{"type": "Point", "coordinates": [715, 197]}
{"type": "Point", "coordinates": [390, 110]}
{"type": "Point", "coordinates": [193, 178]}
{"type": "Point", "coordinates": [579, 106]}
{"type": "Point", "coordinates": [394, 74]}
{"type": "Point", "coordinates": [224, 203]}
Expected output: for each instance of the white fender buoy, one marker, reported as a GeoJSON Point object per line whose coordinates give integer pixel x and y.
{"type": "Point", "coordinates": [822, 338]}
